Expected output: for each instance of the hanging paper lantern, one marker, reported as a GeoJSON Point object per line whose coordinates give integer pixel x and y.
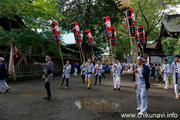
{"type": "Point", "coordinates": [89, 37]}
{"type": "Point", "coordinates": [141, 35]}
{"type": "Point", "coordinates": [122, 4]}
{"type": "Point", "coordinates": [76, 31]}
{"type": "Point", "coordinates": [114, 37]}
{"type": "Point", "coordinates": [107, 27]}
{"type": "Point", "coordinates": [55, 30]}
{"type": "Point", "coordinates": [129, 16]}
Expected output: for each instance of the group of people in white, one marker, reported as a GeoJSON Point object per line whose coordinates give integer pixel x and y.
{"type": "Point", "coordinates": [141, 76]}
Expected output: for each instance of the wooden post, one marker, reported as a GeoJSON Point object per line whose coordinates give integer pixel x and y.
{"type": "Point", "coordinates": [131, 45]}
{"type": "Point", "coordinates": [115, 51]}
{"type": "Point", "coordinates": [143, 51]}
{"type": "Point", "coordinates": [93, 54]}
{"type": "Point", "coordinates": [61, 54]}
{"type": "Point", "coordinates": [111, 50]}
{"type": "Point", "coordinates": [80, 55]}
{"type": "Point", "coordinates": [136, 47]}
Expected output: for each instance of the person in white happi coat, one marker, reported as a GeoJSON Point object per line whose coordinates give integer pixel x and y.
{"type": "Point", "coordinates": [175, 71]}
{"type": "Point", "coordinates": [83, 73]}
{"type": "Point", "coordinates": [98, 69]}
{"type": "Point", "coordinates": [90, 70]}
{"type": "Point", "coordinates": [66, 74]}
{"type": "Point", "coordinates": [116, 73]}
{"type": "Point", "coordinates": [165, 72]}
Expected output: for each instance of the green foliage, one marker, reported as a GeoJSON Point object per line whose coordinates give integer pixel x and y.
{"type": "Point", "coordinates": [149, 13]}
{"type": "Point", "coordinates": [89, 15]}
{"type": "Point", "coordinates": [177, 48]}
{"type": "Point", "coordinates": [168, 45]}
{"type": "Point", "coordinates": [35, 13]}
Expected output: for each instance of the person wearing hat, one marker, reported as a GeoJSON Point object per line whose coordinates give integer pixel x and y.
{"type": "Point", "coordinates": [98, 68]}
{"type": "Point", "coordinates": [90, 70]}
{"type": "Point", "coordinates": [165, 71]}
{"type": "Point", "coordinates": [3, 75]}
{"type": "Point", "coordinates": [175, 71]}
{"type": "Point", "coordinates": [116, 73]}
{"type": "Point", "coordinates": [142, 85]}
{"type": "Point", "coordinates": [48, 74]}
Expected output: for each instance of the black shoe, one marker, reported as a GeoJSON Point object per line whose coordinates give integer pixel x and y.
{"type": "Point", "coordinates": [88, 88]}
{"type": "Point", "coordinates": [45, 97]}
{"type": "Point", "coordinates": [0, 92]}
{"type": "Point", "coordinates": [118, 89]}
{"type": "Point", "coordinates": [114, 89]}
{"type": "Point", "coordinates": [7, 90]}
{"type": "Point", "coordinates": [48, 98]}
{"type": "Point", "coordinates": [94, 83]}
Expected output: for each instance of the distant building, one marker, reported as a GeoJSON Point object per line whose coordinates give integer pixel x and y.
{"type": "Point", "coordinates": [169, 28]}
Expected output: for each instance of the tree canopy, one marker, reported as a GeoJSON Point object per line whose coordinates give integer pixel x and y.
{"type": "Point", "coordinates": [37, 14]}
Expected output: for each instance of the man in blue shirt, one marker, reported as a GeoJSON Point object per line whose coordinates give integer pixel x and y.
{"type": "Point", "coordinates": [142, 85]}
{"type": "Point", "coordinates": [75, 69]}
{"type": "Point", "coordinates": [3, 75]}
{"type": "Point", "coordinates": [103, 71]}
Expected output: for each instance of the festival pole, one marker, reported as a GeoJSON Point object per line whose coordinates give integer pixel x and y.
{"type": "Point", "coordinates": [61, 53]}
{"type": "Point", "coordinates": [143, 50]}
{"type": "Point", "coordinates": [112, 56]}
{"type": "Point", "coordinates": [77, 36]}
{"type": "Point", "coordinates": [108, 31]}
{"type": "Point", "coordinates": [80, 55]}
{"type": "Point", "coordinates": [113, 39]}
{"type": "Point", "coordinates": [115, 51]}
{"type": "Point", "coordinates": [56, 35]}
{"type": "Point", "coordinates": [89, 39]}
{"type": "Point", "coordinates": [141, 37]}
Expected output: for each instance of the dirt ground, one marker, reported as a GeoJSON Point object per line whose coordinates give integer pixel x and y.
{"type": "Point", "coordinates": [24, 101]}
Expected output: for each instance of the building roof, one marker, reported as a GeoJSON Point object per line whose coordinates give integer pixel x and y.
{"type": "Point", "coordinates": [152, 45]}
{"type": "Point", "coordinates": [170, 26]}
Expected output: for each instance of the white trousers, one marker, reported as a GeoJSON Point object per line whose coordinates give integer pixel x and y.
{"type": "Point", "coordinates": [166, 81]}
{"type": "Point", "coordinates": [4, 85]}
{"type": "Point", "coordinates": [75, 73]}
{"type": "Point", "coordinates": [176, 87]}
{"type": "Point", "coordinates": [142, 99]}
{"type": "Point", "coordinates": [117, 81]}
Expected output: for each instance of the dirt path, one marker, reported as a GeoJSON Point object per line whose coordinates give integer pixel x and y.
{"type": "Point", "coordinates": [24, 101]}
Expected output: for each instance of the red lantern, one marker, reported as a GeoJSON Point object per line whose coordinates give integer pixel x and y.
{"type": "Point", "coordinates": [77, 33]}
{"type": "Point", "coordinates": [89, 37]}
{"type": "Point", "coordinates": [78, 43]}
{"type": "Point", "coordinates": [141, 35]}
{"type": "Point", "coordinates": [107, 27]}
{"type": "Point", "coordinates": [76, 30]}
{"type": "Point", "coordinates": [129, 15]}
{"type": "Point", "coordinates": [114, 37]}
{"type": "Point", "coordinates": [55, 30]}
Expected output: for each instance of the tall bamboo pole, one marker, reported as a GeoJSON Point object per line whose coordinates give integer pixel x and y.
{"type": "Point", "coordinates": [80, 55]}
{"type": "Point", "coordinates": [61, 54]}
